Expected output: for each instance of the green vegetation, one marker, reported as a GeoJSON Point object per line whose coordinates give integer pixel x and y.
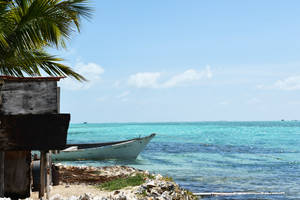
{"type": "Point", "coordinates": [167, 178]}
{"type": "Point", "coordinates": [144, 193]}
{"type": "Point", "coordinates": [29, 27]}
{"type": "Point", "coordinates": [189, 193]}
{"type": "Point", "coordinates": [120, 183]}
{"type": "Point", "coordinates": [149, 176]}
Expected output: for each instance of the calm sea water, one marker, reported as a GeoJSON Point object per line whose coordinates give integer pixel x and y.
{"type": "Point", "coordinates": [211, 156]}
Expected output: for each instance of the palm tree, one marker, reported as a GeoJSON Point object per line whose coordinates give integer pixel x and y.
{"type": "Point", "coordinates": [28, 27]}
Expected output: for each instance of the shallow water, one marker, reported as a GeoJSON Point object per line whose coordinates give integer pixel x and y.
{"type": "Point", "coordinates": [211, 156]}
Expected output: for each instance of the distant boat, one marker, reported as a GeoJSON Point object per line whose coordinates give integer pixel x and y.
{"type": "Point", "coordinates": [84, 122]}
{"type": "Point", "coordinates": [127, 149]}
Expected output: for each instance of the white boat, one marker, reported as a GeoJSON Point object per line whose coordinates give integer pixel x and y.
{"type": "Point", "coordinates": [127, 149]}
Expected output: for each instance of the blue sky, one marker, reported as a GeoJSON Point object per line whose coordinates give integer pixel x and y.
{"type": "Point", "coordinates": [170, 60]}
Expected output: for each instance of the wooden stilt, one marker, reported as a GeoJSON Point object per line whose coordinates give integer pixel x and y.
{"type": "Point", "coordinates": [2, 154]}
{"type": "Point", "coordinates": [42, 174]}
{"type": "Point", "coordinates": [48, 175]}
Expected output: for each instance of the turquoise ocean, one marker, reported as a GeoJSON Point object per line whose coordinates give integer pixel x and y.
{"type": "Point", "coordinates": [210, 156]}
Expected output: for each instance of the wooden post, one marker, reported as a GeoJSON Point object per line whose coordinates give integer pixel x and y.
{"type": "Point", "coordinates": [58, 99]}
{"type": "Point", "coordinates": [43, 162]}
{"type": "Point", "coordinates": [2, 154]}
{"type": "Point", "coordinates": [48, 174]}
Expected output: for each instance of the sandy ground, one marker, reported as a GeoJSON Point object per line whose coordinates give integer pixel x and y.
{"type": "Point", "coordinates": [79, 183]}
{"type": "Point", "coordinates": [79, 190]}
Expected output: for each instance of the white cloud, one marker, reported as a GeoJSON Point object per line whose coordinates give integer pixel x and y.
{"type": "Point", "coordinates": [290, 83]}
{"type": "Point", "coordinates": [144, 80]}
{"type": "Point", "coordinates": [187, 77]}
{"type": "Point", "coordinates": [150, 79]}
{"type": "Point", "coordinates": [123, 94]}
{"type": "Point", "coordinates": [91, 71]}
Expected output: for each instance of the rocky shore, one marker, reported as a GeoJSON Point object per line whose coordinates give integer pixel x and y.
{"type": "Point", "coordinates": [85, 183]}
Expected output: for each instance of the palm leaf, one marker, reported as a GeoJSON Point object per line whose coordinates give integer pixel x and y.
{"type": "Point", "coordinates": [31, 62]}
{"type": "Point", "coordinates": [29, 26]}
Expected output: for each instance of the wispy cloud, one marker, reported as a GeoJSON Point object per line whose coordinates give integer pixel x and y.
{"type": "Point", "coordinates": [144, 80]}
{"type": "Point", "coordinates": [187, 77]}
{"type": "Point", "coordinates": [151, 79]}
{"type": "Point", "coordinates": [290, 83]}
{"type": "Point", "coordinates": [123, 96]}
{"type": "Point", "coordinates": [91, 71]}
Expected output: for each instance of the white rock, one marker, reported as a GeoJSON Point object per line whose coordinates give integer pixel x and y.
{"type": "Point", "coordinates": [85, 197]}
{"type": "Point", "coordinates": [56, 197]}
{"type": "Point", "coordinates": [158, 176]}
{"type": "Point", "coordinates": [73, 198]}
{"type": "Point", "coordinates": [150, 184]}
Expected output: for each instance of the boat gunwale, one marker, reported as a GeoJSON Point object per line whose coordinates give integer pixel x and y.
{"type": "Point", "coordinates": [96, 145]}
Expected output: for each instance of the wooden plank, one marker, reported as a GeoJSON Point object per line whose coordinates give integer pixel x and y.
{"type": "Point", "coordinates": [17, 174]}
{"type": "Point", "coordinates": [2, 174]}
{"type": "Point", "coordinates": [28, 97]}
{"type": "Point", "coordinates": [43, 162]}
{"type": "Point", "coordinates": [48, 179]}
{"type": "Point", "coordinates": [58, 99]}
{"type": "Point", "coordinates": [34, 132]}
{"type": "Point", "coordinates": [35, 78]}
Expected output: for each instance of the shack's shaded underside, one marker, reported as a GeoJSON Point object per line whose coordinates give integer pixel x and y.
{"type": "Point", "coordinates": [33, 132]}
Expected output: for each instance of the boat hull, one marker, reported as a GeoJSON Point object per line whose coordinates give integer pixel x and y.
{"type": "Point", "coordinates": [124, 150]}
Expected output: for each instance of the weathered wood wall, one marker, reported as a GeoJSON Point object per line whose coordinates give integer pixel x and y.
{"type": "Point", "coordinates": [17, 179]}
{"type": "Point", "coordinates": [28, 97]}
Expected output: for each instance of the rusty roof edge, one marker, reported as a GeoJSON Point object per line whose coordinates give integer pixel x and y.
{"type": "Point", "coordinates": [35, 78]}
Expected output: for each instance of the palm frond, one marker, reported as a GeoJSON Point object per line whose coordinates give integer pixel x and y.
{"type": "Point", "coordinates": [51, 21]}
{"type": "Point", "coordinates": [31, 62]}
{"type": "Point", "coordinates": [4, 22]}
{"type": "Point", "coordinates": [28, 26]}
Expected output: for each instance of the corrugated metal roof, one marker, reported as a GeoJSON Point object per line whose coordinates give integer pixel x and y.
{"type": "Point", "coordinates": [35, 78]}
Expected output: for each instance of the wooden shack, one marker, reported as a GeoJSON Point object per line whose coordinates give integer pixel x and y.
{"type": "Point", "coordinates": [29, 120]}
